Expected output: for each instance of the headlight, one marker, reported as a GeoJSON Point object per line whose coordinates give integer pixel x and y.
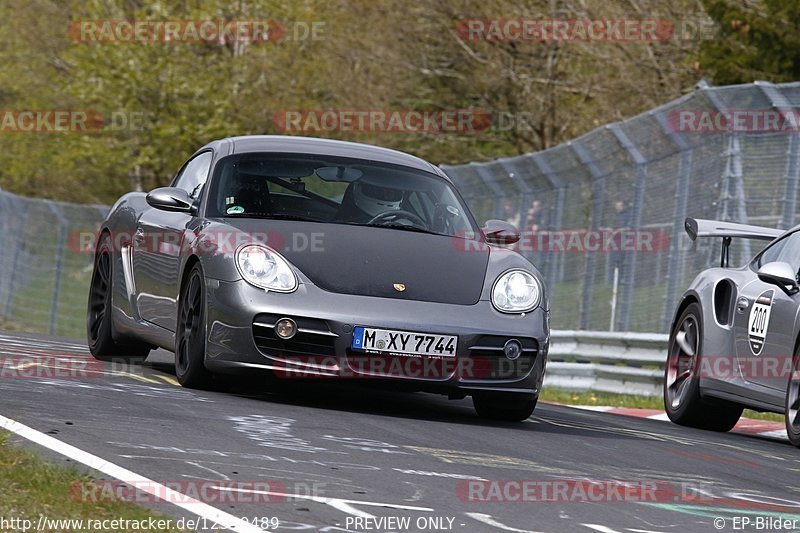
{"type": "Point", "coordinates": [265, 268]}
{"type": "Point", "coordinates": [516, 291]}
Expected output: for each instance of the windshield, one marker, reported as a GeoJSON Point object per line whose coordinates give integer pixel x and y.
{"type": "Point", "coordinates": [336, 190]}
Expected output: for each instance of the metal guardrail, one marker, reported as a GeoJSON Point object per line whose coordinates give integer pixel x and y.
{"type": "Point", "coordinates": [623, 363]}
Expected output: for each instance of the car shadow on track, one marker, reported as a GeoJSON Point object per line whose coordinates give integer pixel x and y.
{"type": "Point", "coordinates": [389, 399]}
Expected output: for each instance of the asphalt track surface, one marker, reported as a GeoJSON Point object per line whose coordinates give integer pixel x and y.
{"type": "Point", "coordinates": [344, 457]}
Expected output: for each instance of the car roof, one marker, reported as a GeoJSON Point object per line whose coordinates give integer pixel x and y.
{"type": "Point", "coordinates": [312, 145]}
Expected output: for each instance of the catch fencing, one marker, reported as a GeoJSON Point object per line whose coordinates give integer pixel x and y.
{"type": "Point", "coordinates": [635, 181]}
{"type": "Point", "coordinates": [44, 267]}
{"type": "Point", "coordinates": [725, 153]}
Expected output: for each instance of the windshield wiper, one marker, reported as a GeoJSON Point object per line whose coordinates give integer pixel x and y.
{"type": "Point", "coordinates": [273, 216]}
{"type": "Point", "coordinates": [403, 227]}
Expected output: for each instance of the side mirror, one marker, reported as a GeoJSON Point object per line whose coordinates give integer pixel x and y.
{"type": "Point", "coordinates": [780, 274]}
{"type": "Point", "coordinates": [171, 199]}
{"type": "Point", "coordinates": [500, 232]}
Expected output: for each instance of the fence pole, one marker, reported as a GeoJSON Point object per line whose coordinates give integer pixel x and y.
{"type": "Point", "coordinates": [733, 205]}
{"type": "Point", "coordinates": [792, 172]}
{"type": "Point", "coordinates": [627, 279]}
{"type": "Point", "coordinates": [598, 190]}
{"type": "Point", "coordinates": [515, 175]}
{"type": "Point", "coordinates": [62, 241]}
{"type": "Point", "coordinates": [497, 192]}
{"type": "Point", "coordinates": [791, 176]}
{"type": "Point", "coordinates": [18, 239]}
{"type": "Point", "coordinates": [675, 258]}
{"type": "Point", "coordinates": [5, 242]}
{"type": "Point", "coordinates": [556, 273]}
{"type": "Point", "coordinates": [467, 191]}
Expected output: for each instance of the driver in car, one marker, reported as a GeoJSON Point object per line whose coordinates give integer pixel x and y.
{"type": "Point", "coordinates": [363, 201]}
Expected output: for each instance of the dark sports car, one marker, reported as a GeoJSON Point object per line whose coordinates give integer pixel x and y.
{"type": "Point", "coordinates": [318, 258]}
{"type": "Point", "coordinates": [735, 338]}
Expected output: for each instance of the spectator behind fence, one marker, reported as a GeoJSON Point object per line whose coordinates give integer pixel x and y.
{"type": "Point", "coordinates": [511, 212]}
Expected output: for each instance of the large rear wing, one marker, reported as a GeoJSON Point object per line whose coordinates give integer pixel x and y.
{"type": "Point", "coordinates": [697, 227]}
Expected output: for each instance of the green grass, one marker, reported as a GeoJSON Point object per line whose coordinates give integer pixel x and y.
{"type": "Point", "coordinates": [10, 325]}
{"type": "Point", "coordinates": [31, 487]}
{"type": "Point", "coordinates": [550, 394]}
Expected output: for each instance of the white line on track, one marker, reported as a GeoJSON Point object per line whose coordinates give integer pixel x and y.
{"type": "Point", "coordinates": [196, 507]}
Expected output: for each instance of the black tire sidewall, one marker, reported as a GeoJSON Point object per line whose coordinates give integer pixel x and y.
{"type": "Point", "coordinates": [691, 401]}
{"type": "Point", "coordinates": [794, 436]}
{"type": "Point", "coordinates": [195, 374]}
{"type": "Point", "coordinates": [104, 345]}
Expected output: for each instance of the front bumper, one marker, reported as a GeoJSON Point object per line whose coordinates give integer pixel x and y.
{"type": "Point", "coordinates": [240, 337]}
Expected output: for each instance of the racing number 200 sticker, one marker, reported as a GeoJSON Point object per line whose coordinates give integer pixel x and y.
{"type": "Point", "coordinates": [758, 323]}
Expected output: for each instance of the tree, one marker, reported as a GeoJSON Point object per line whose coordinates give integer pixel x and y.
{"type": "Point", "coordinates": [161, 101]}
{"type": "Point", "coordinates": [756, 40]}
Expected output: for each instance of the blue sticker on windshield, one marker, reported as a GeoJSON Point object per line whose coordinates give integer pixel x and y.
{"type": "Point", "coordinates": [235, 209]}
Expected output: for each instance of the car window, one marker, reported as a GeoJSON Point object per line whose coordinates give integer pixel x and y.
{"type": "Point", "coordinates": [786, 250]}
{"type": "Point", "coordinates": [194, 174]}
{"type": "Point", "coordinates": [336, 190]}
{"type": "Point", "coordinates": [771, 253]}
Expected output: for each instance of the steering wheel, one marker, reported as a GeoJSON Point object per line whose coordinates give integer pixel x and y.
{"type": "Point", "coordinates": [399, 214]}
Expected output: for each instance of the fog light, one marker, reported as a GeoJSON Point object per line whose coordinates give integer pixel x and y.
{"type": "Point", "coordinates": [285, 328]}
{"type": "Point", "coordinates": [512, 349]}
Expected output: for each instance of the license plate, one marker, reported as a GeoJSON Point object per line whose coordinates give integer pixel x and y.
{"type": "Point", "coordinates": [403, 342]}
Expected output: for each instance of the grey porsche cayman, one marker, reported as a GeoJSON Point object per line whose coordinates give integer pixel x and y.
{"type": "Point", "coordinates": [311, 258]}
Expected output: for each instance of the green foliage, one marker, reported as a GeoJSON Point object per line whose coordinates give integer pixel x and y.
{"type": "Point", "coordinates": [754, 41]}
{"type": "Point", "coordinates": [161, 101]}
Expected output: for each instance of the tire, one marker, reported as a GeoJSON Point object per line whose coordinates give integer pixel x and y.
{"type": "Point", "coordinates": [792, 416]}
{"type": "Point", "coordinates": [190, 341]}
{"type": "Point", "coordinates": [99, 331]}
{"type": "Point", "coordinates": [507, 406]}
{"type": "Point", "coordinates": [682, 400]}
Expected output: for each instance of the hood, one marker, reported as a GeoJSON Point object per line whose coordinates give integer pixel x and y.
{"type": "Point", "coordinates": [369, 261]}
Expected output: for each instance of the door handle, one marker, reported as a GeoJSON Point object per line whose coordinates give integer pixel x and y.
{"type": "Point", "coordinates": [742, 304]}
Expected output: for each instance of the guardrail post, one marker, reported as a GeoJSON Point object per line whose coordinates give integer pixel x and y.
{"type": "Point", "coordinates": [598, 188]}
{"type": "Point", "coordinates": [62, 241]}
